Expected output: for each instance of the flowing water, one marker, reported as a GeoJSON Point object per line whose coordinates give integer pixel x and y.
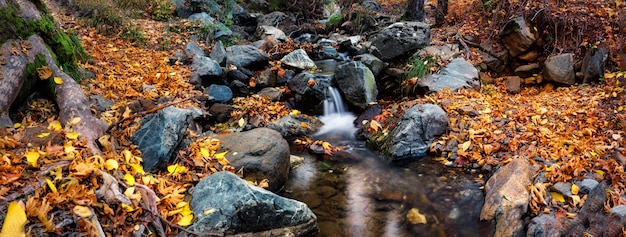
{"type": "Point", "coordinates": [356, 193]}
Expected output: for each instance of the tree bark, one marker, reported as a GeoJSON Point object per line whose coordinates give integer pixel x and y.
{"type": "Point", "coordinates": [415, 10]}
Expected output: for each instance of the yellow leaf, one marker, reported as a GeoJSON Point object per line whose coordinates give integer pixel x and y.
{"type": "Point", "coordinates": [600, 172]}
{"type": "Point", "coordinates": [55, 125]}
{"type": "Point", "coordinates": [557, 196]}
{"type": "Point", "coordinates": [69, 147]}
{"type": "Point", "coordinates": [71, 135]}
{"type": "Point", "coordinates": [129, 179]}
{"type": "Point", "coordinates": [32, 157]}
{"type": "Point", "coordinates": [75, 120]}
{"type": "Point", "coordinates": [148, 179]}
{"type": "Point", "coordinates": [185, 221]}
{"type": "Point", "coordinates": [138, 168]}
{"type": "Point", "coordinates": [51, 185]}
{"type": "Point", "coordinates": [126, 113]}
{"type": "Point", "coordinates": [205, 152]}
{"type": "Point", "coordinates": [415, 217]}
{"type": "Point", "coordinates": [466, 145]}
{"type": "Point", "coordinates": [111, 164]}
{"type": "Point", "coordinates": [241, 122]}
{"type": "Point", "coordinates": [82, 211]}
{"type": "Point", "coordinates": [176, 169]}
{"type": "Point", "coordinates": [221, 158]}
{"type": "Point", "coordinates": [44, 72]}
{"type": "Point", "coordinates": [294, 112]}
{"type": "Point", "coordinates": [374, 125]}
{"type": "Point", "coordinates": [575, 189]}
{"type": "Point", "coordinates": [130, 193]}
{"type": "Point", "coordinates": [58, 80]}
{"type": "Point", "coordinates": [128, 208]}
{"type": "Point", "coordinates": [209, 211]}
{"type": "Point", "coordinates": [18, 125]}
{"type": "Point", "coordinates": [43, 134]}
{"type": "Point", "coordinates": [14, 221]}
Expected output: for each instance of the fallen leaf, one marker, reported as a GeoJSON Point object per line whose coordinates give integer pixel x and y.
{"type": "Point", "coordinates": [241, 122]}
{"type": "Point", "coordinates": [32, 157]}
{"type": "Point", "coordinates": [221, 158]}
{"type": "Point", "coordinates": [176, 169]}
{"type": "Point", "coordinates": [129, 179]}
{"type": "Point", "coordinates": [71, 135]}
{"type": "Point", "coordinates": [51, 185]}
{"type": "Point", "coordinates": [415, 217]}
{"type": "Point", "coordinates": [111, 164]}
{"type": "Point", "coordinates": [575, 189]}
{"type": "Point", "coordinates": [466, 145]}
{"type": "Point", "coordinates": [14, 221]}
{"type": "Point", "coordinates": [74, 121]}
{"type": "Point", "coordinates": [82, 211]}
{"type": "Point", "coordinates": [43, 134]}
{"type": "Point", "coordinates": [44, 72]}
{"type": "Point", "coordinates": [557, 196]}
{"type": "Point", "coordinates": [294, 112]}
{"type": "Point", "coordinates": [58, 80]}
{"type": "Point", "coordinates": [55, 125]}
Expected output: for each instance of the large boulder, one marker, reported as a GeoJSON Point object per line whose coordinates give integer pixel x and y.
{"type": "Point", "coordinates": [560, 69]}
{"type": "Point", "coordinates": [416, 130]}
{"type": "Point", "coordinates": [507, 199]}
{"type": "Point", "coordinates": [593, 64]}
{"type": "Point", "coordinates": [400, 38]}
{"type": "Point", "coordinates": [246, 56]}
{"type": "Point", "coordinates": [358, 84]}
{"type": "Point", "coordinates": [262, 153]}
{"type": "Point", "coordinates": [458, 74]}
{"type": "Point", "coordinates": [309, 91]}
{"type": "Point", "coordinates": [225, 204]}
{"type": "Point", "coordinates": [277, 34]}
{"type": "Point", "coordinates": [516, 36]}
{"type": "Point", "coordinates": [160, 134]}
{"type": "Point", "coordinates": [372, 62]}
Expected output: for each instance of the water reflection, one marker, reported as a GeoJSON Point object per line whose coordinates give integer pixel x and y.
{"type": "Point", "coordinates": [356, 193]}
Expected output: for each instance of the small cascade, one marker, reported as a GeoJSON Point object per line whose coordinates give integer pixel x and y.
{"type": "Point", "coordinates": [336, 119]}
{"type": "Point", "coordinates": [333, 103]}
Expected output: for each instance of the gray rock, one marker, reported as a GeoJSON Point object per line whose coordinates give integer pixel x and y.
{"type": "Point", "coordinates": [619, 211]}
{"type": "Point", "coordinates": [264, 31]}
{"type": "Point", "coordinates": [160, 134]}
{"type": "Point", "coordinates": [458, 74]}
{"type": "Point", "coordinates": [221, 31]}
{"type": "Point", "coordinates": [290, 126]}
{"type": "Point", "coordinates": [372, 5]}
{"type": "Point", "coordinates": [207, 68]}
{"type": "Point", "coordinates": [543, 225]}
{"type": "Point", "coordinates": [267, 78]}
{"type": "Point", "coordinates": [271, 92]}
{"type": "Point", "coordinates": [443, 53]}
{"type": "Point", "coordinates": [357, 83]}
{"type": "Point", "coordinates": [298, 59]}
{"type": "Point", "coordinates": [506, 198]}
{"type": "Point", "coordinates": [238, 75]}
{"type": "Point", "coordinates": [563, 188]}
{"type": "Point", "coordinates": [328, 52]}
{"type": "Point", "coordinates": [192, 49]}
{"type": "Point", "coordinates": [262, 153]}
{"type": "Point", "coordinates": [246, 210]}
{"type": "Point", "coordinates": [516, 36]}
{"type": "Point", "coordinates": [586, 185]}
{"type": "Point", "coordinates": [372, 62]}
{"type": "Point", "coordinates": [219, 93]}
{"type": "Point", "coordinates": [418, 127]}
{"type": "Point", "coordinates": [220, 112]}
{"type": "Point", "coordinates": [279, 20]}
{"type": "Point", "coordinates": [99, 103]}
{"type": "Point", "coordinates": [560, 69]}
{"type": "Point", "coordinates": [513, 84]}
{"type": "Point", "coordinates": [309, 99]}
{"type": "Point", "coordinates": [246, 56]}
{"type": "Point", "coordinates": [528, 70]}
{"type": "Point", "coordinates": [494, 61]}
{"type": "Point", "coordinates": [218, 53]}
{"type": "Point", "coordinates": [593, 64]}
{"type": "Point", "coordinates": [399, 39]}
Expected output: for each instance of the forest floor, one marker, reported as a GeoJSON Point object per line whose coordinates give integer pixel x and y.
{"type": "Point", "coordinates": [568, 132]}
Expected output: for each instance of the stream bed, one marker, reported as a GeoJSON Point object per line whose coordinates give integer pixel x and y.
{"type": "Point", "coordinates": [356, 193]}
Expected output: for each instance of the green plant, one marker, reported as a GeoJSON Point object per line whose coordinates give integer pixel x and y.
{"type": "Point", "coordinates": [418, 67]}
{"type": "Point", "coordinates": [134, 34]}
{"type": "Point", "coordinates": [163, 10]}
{"type": "Point", "coordinates": [334, 21]}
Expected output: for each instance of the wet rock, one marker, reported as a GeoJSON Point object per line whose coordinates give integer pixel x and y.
{"type": "Point", "coordinates": [265, 30]}
{"type": "Point", "coordinates": [160, 134]}
{"type": "Point", "coordinates": [528, 70]}
{"type": "Point", "coordinates": [246, 56]}
{"type": "Point", "coordinates": [208, 69]}
{"type": "Point", "coordinates": [506, 198]}
{"type": "Point", "coordinates": [273, 93]}
{"type": "Point", "coordinates": [220, 112]}
{"type": "Point", "coordinates": [368, 114]}
{"type": "Point", "coordinates": [560, 69]}
{"type": "Point", "coordinates": [219, 93]}
{"type": "Point", "coordinates": [247, 210]}
{"type": "Point", "coordinates": [99, 103]}
{"type": "Point", "coordinates": [358, 84]}
{"type": "Point", "coordinates": [327, 52]}
{"type": "Point", "coordinates": [593, 64]}
{"type": "Point", "coordinates": [298, 59]}
{"type": "Point", "coordinates": [262, 153]}
{"type": "Point", "coordinates": [290, 126]}
{"type": "Point", "coordinates": [399, 39]}
{"type": "Point", "coordinates": [192, 49]}
{"type": "Point", "coordinates": [516, 36]}
{"type": "Point", "coordinates": [372, 62]}
{"type": "Point", "coordinates": [309, 91]}
{"type": "Point", "coordinates": [458, 74]}
{"type": "Point", "coordinates": [513, 84]}
{"type": "Point", "coordinates": [418, 127]}
{"type": "Point", "coordinates": [218, 53]}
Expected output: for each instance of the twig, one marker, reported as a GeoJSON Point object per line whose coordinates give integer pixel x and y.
{"type": "Point", "coordinates": [30, 188]}
{"type": "Point", "coordinates": [467, 50]}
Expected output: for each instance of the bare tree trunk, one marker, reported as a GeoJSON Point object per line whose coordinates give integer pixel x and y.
{"type": "Point", "coordinates": [442, 11]}
{"type": "Point", "coordinates": [415, 11]}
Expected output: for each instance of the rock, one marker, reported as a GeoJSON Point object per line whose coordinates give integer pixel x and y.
{"type": "Point", "coordinates": [485, 78]}
{"type": "Point", "coordinates": [148, 88]}
{"type": "Point", "coordinates": [246, 210]}
{"type": "Point", "coordinates": [264, 31]}
{"type": "Point", "coordinates": [220, 112]}
{"type": "Point", "coordinates": [357, 83]}
{"type": "Point", "coordinates": [444, 53]}
{"type": "Point", "coordinates": [327, 52]}
{"type": "Point", "coordinates": [528, 70]}
{"type": "Point", "coordinates": [298, 59]}
{"type": "Point", "coordinates": [506, 197]}
{"type": "Point", "coordinates": [309, 91]}
{"type": "Point", "coordinates": [458, 74]}
{"type": "Point", "coordinates": [271, 92]}
{"type": "Point", "coordinates": [99, 103]}
{"type": "Point", "coordinates": [192, 49]}
{"type": "Point", "coordinates": [368, 114]}
{"type": "Point", "coordinates": [494, 61]}
{"type": "Point", "coordinates": [262, 153]}
{"type": "Point", "coordinates": [208, 69]}
{"type": "Point", "coordinates": [586, 185]}
{"type": "Point", "coordinates": [291, 126]}
{"type": "Point", "coordinates": [372, 62]}
{"type": "Point", "coordinates": [593, 64]}
{"type": "Point", "coordinates": [221, 31]}
{"type": "Point", "coordinates": [516, 36]}
{"type": "Point", "coordinates": [160, 134]}
{"type": "Point", "coordinates": [267, 78]}
{"type": "Point", "coordinates": [372, 5]}
{"type": "Point", "coordinates": [619, 211]}
{"type": "Point", "coordinates": [560, 69]}
{"type": "Point", "coordinates": [218, 53]}
{"type": "Point", "coordinates": [238, 75]}
{"type": "Point", "coordinates": [279, 20]}
{"type": "Point", "coordinates": [220, 93]}
{"type": "Point", "coordinates": [562, 188]}
{"type": "Point", "coordinates": [417, 128]}
{"type": "Point", "coordinates": [246, 56]}
{"type": "Point", "coordinates": [544, 225]}
{"type": "Point", "coordinates": [399, 39]}
{"type": "Point", "coordinates": [513, 84]}
{"type": "Point", "coordinates": [239, 88]}
{"type": "Point", "coordinates": [467, 110]}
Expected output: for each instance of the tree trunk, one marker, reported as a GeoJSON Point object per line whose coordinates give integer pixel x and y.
{"type": "Point", "coordinates": [415, 11]}
{"type": "Point", "coordinates": [442, 11]}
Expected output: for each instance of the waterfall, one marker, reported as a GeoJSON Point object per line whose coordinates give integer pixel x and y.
{"type": "Point", "coordinates": [333, 104]}
{"type": "Point", "coordinates": [336, 119]}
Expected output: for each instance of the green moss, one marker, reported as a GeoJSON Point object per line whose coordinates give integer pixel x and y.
{"type": "Point", "coordinates": [33, 83]}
